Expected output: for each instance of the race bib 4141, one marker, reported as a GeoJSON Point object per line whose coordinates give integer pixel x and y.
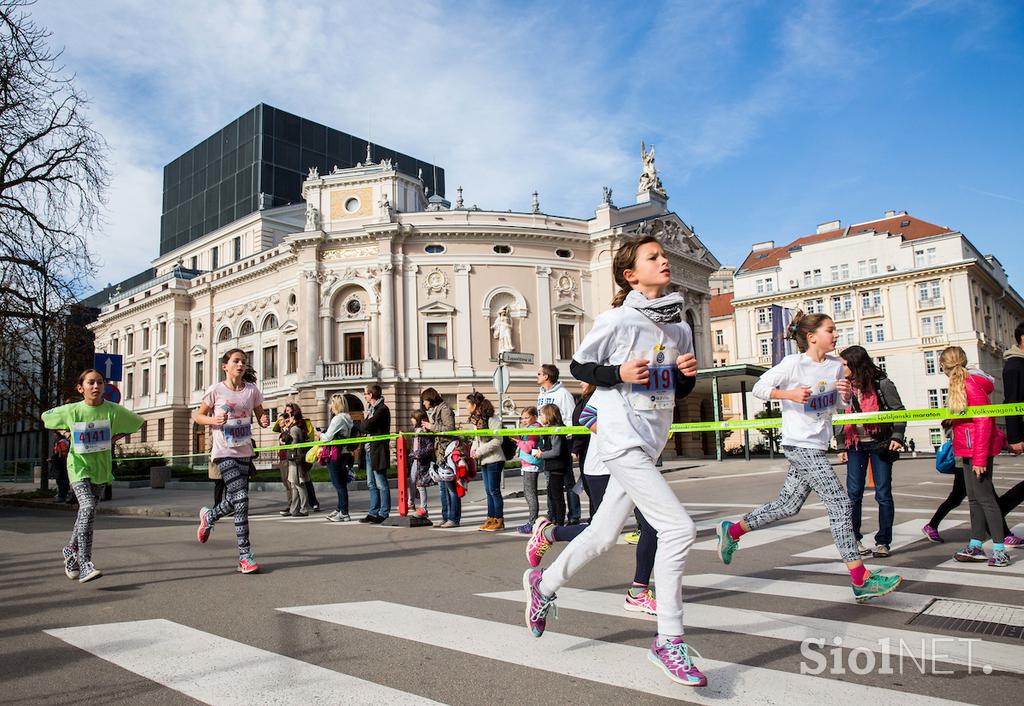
{"type": "Point", "coordinates": [91, 437]}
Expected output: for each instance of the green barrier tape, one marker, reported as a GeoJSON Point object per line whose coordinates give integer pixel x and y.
{"type": "Point", "coordinates": [902, 415]}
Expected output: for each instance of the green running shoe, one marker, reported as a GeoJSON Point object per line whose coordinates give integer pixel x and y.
{"type": "Point", "coordinates": [876, 585]}
{"type": "Point", "coordinates": [726, 544]}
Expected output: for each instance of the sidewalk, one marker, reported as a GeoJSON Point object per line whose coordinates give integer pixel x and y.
{"type": "Point", "coordinates": [185, 499]}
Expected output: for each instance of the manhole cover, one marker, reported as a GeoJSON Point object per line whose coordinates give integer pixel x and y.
{"type": "Point", "coordinates": [971, 616]}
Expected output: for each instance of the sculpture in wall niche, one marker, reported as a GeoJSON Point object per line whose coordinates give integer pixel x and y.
{"type": "Point", "coordinates": [385, 205]}
{"type": "Point", "coordinates": [312, 217]}
{"type": "Point", "coordinates": [508, 406]}
{"type": "Point", "coordinates": [502, 328]}
{"type": "Point", "coordinates": [649, 179]}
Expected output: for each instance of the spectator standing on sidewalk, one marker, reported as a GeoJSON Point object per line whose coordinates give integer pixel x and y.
{"type": "Point", "coordinates": [553, 392]}
{"type": "Point", "coordinates": [378, 455]}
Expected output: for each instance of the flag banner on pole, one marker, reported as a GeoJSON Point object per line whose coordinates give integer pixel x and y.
{"type": "Point", "coordinates": [781, 346]}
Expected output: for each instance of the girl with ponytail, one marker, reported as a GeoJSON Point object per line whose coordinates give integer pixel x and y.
{"type": "Point", "coordinates": [976, 441]}
{"type": "Point", "coordinates": [809, 385]}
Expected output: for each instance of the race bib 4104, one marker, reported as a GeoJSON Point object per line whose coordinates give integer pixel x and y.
{"type": "Point", "coordinates": [822, 400]}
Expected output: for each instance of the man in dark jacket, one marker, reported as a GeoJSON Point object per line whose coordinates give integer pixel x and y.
{"type": "Point", "coordinates": [1013, 393]}
{"type": "Point", "coordinates": [378, 457]}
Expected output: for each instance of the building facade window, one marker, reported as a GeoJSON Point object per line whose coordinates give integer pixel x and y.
{"type": "Point", "coordinates": [113, 345]}
{"type": "Point", "coordinates": [161, 379]}
{"type": "Point", "coordinates": [236, 246]}
{"type": "Point", "coordinates": [214, 259]}
{"type": "Point", "coordinates": [129, 385]}
{"type": "Point", "coordinates": [924, 257]}
{"type": "Point", "coordinates": [437, 341]}
{"type": "Point", "coordinates": [880, 362]}
{"type": "Point", "coordinates": [163, 333]}
{"type": "Point", "coordinates": [194, 263]}
{"type": "Point", "coordinates": [935, 435]}
{"type": "Point", "coordinates": [566, 341]}
{"type": "Point", "coordinates": [142, 432]}
{"type": "Point", "coordinates": [293, 356]}
{"type": "Point", "coordinates": [929, 363]}
{"type": "Point", "coordinates": [759, 286]}
{"type": "Point", "coordinates": [145, 338]}
{"type": "Point", "coordinates": [929, 291]}
{"type": "Point", "coordinates": [160, 429]}
{"type": "Point", "coordinates": [247, 329]}
{"type": "Point", "coordinates": [145, 382]}
{"type": "Point", "coordinates": [270, 362]}
{"type": "Point", "coordinates": [198, 376]}
{"type": "Point", "coordinates": [934, 325]}
{"type": "Point", "coordinates": [933, 398]}
{"type": "Point", "coordinates": [719, 337]}
{"type": "Point", "coordinates": [766, 346]}
{"type": "Point", "coordinates": [129, 346]}
{"type": "Point", "coordinates": [871, 301]}
{"type": "Point", "coordinates": [842, 304]}
{"type": "Point", "coordinates": [815, 306]}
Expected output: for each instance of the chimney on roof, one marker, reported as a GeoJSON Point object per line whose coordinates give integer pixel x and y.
{"type": "Point", "coordinates": [766, 245]}
{"type": "Point", "coordinates": [890, 214]}
{"type": "Point", "coordinates": [827, 227]}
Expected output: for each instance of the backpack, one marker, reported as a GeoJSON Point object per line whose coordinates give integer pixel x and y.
{"type": "Point", "coordinates": [509, 448]}
{"type": "Point", "coordinates": [945, 459]}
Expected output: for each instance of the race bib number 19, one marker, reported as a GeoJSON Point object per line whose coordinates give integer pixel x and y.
{"type": "Point", "coordinates": [91, 437]}
{"type": "Point", "coordinates": [660, 390]}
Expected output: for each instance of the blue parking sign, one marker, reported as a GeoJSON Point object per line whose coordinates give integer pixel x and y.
{"type": "Point", "coordinates": [109, 364]}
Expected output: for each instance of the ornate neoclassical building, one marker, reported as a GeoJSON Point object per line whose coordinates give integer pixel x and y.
{"type": "Point", "coordinates": [370, 281]}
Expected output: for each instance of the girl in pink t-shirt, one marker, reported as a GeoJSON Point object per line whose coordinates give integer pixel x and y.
{"type": "Point", "coordinates": [228, 407]}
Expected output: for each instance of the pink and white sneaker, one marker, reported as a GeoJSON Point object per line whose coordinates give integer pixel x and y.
{"type": "Point", "coordinates": [537, 604]}
{"type": "Point", "coordinates": [1013, 540]}
{"type": "Point", "coordinates": [674, 659]}
{"type": "Point", "coordinates": [644, 603]}
{"type": "Point", "coordinates": [205, 525]}
{"type": "Point", "coordinates": [247, 564]}
{"type": "Point", "coordinates": [538, 543]}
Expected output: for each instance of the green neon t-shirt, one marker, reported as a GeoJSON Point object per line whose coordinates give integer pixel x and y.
{"type": "Point", "coordinates": [92, 432]}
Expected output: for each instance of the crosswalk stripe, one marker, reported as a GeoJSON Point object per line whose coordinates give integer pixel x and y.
{"type": "Point", "coordinates": [903, 535]}
{"type": "Point", "coordinates": [774, 533]}
{"type": "Point", "coordinates": [596, 660]}
{"type": "Point", "coordinates": [217, 670]}
{"type": "Point", "coordinates": [797, 628]}
{"type": "Point", "coordinates": [1015, 567]}
{"type": "Point", "coordinates": [900, 600]}
{"type": "Point", "coordinates": [992, 578]}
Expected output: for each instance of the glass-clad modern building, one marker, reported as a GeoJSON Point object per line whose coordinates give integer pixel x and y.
{"type": "Point", "coordinates": [259, 161]}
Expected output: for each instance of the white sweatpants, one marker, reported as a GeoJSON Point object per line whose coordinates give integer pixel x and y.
{"type": "Point", "coordinates": [635, 482]}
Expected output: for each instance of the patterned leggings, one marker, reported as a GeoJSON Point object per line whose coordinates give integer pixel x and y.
{"type": "Point", "coordinates": [87, 493]}
{"type": "Point", "coordinates": [236, 500]}
{"type": "Point", "coordinates": [809, 469]}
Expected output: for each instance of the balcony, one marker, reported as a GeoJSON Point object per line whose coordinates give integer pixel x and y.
{"type": "Point", "coordinates": [842, 315]}
{"type": "Point", "coordinates": [869, 311]}
{"type": "Point", "coordinates": [721, 348]}
{"type": "Point", "coordinates": [764, 360]}
{"type": "Point", "coordinates": [930, 303]}
{"type": "Point", "coordinates": [348, 370]}
{"type": "Point", "coordinates": [940, 340]}
{"type": "Point", "coordinates": [764, 326]}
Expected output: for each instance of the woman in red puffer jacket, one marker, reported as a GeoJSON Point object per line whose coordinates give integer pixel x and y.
{"type": "Point", "coordinates": [976, 441]}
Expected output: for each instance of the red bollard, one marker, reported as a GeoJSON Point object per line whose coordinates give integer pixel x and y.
{"type": "Point", "coordinates": [403, 477]}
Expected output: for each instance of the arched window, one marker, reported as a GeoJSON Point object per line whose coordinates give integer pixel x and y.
{"type": "Point", "coordinates": [224, 335]}
{"type": "Point", "coordinates": [247, 329]}
{"type": "Point", "coordinates": [270, 323]}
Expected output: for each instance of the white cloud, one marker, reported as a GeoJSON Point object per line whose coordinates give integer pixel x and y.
{"type": "Point", "coordinates": [507, 98]}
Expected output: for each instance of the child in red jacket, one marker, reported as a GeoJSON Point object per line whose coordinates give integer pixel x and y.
{"type": "Point", "coordinates": [976, 441]}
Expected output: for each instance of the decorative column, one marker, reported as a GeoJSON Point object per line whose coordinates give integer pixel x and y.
{"type": "Point", "coordinates": [545, 348]}
{"type": "Point", "coordinates": [387, 320]}
{"type": "Point", "coordinates": [178, 358]}
{"type": "Point", "coordinates": [309, 337]}
{"type": "Point", "coordinates": [326, 334]}
{"type": "Point", "coordinates": [412, 329]}
{"type": "Point", "coordinates": [463, 330]}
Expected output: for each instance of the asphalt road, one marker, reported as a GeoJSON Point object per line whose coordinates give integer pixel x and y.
{"type": "Point", "coordinates": [397, 615]}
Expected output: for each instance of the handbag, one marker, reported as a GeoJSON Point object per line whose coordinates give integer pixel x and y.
{"type": "Point", "coordinates": [945, 459]}
{"type": "Point", "coordinates": [313, 454]}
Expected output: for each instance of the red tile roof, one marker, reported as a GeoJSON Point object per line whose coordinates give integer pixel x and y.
{"type": "Point", "coordinates": [915, 228]}
{"type": "Point", "coordinates": [721, 305]}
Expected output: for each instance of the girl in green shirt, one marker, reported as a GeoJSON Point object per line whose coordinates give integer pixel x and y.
{"type": "Point", "coordinates": [94, 424]}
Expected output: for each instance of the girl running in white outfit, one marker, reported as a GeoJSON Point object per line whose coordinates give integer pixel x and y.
{"type": "Point", "coordinates": [809, 385]}
{"type": "Point", "coordinates": [650, 346]}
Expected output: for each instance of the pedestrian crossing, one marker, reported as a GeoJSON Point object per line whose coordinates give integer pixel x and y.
{"type": "Point", "coordinates": [903, 535]}
{"type": "Point", "coordinates": [209, 667]}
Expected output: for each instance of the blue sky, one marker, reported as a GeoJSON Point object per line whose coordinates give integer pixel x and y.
{"type": "Point", "coordinates": [768, 117]}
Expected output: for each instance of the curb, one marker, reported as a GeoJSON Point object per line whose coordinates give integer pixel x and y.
{"type": "Point", "coordinates": [135, 510]}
